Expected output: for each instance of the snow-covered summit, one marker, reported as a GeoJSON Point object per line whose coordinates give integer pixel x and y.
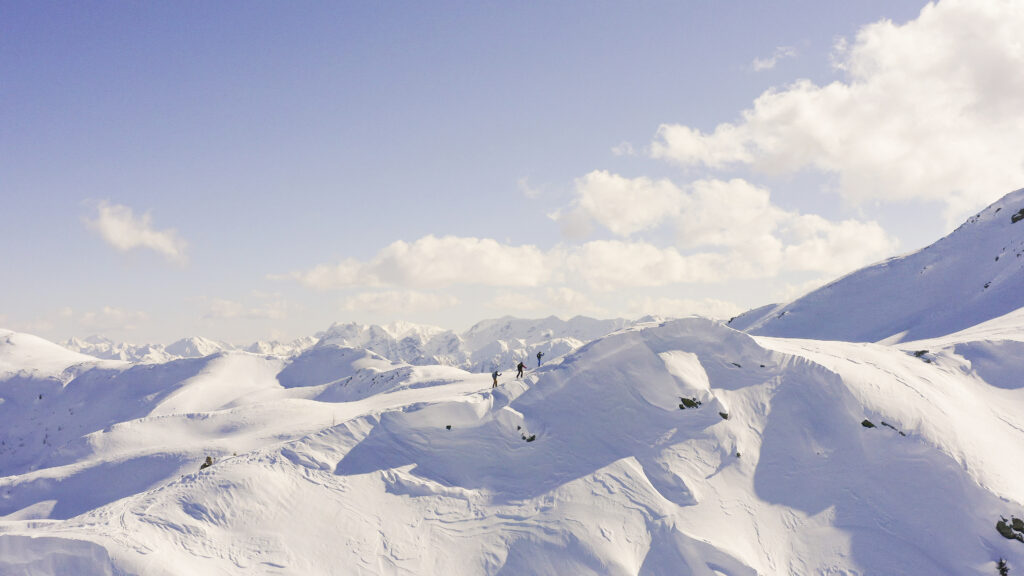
{"type": "Point", "coordinates": [974, 274]}
{"type": "Point", "coordinates": [196, 347]}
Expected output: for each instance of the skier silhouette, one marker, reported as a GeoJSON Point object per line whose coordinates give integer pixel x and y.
{"type": "Point", "coordinates": [495, 375]}
{"type": "Point", "coordinates": [520, 367]}
{"type": "Point", "coordinates": [539, 354]}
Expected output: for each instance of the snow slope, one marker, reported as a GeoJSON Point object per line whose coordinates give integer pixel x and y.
{"type": "Point", "coordinates": [339, 461]}
{"type": "Point", "coordinates": [974, 274]}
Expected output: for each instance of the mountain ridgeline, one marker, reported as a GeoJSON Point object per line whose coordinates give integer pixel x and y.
{"type": "Point", "coordinates": [974, 274]}
{"type": "Point", "coordinates": [874, 426]}
{"type": "Point", "coordinates": [488, 345]}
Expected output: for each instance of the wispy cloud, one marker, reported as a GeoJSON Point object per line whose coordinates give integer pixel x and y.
{"type": "Point", "coordinates": [267, 309]}
{"type": "Point", "coordinates": [680, 307]}
{"type": "Point", "coordinates": [118, 225]}
{"type": "Point", "coordinates": [398, 302]}
{"type": "Point", "coordinates": [780, 53]}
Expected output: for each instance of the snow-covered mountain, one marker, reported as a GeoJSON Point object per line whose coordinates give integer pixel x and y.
{"type": "Point", "coordinates": [488, 345]}
{"type": "Point", "coordinates": [101, 347]}
{"type": "Point", "coordinates": [875, 426]}
{"type": "Point", "coordinates": [787, 457]}
{"type": "Point", "coordinates": [972, 275]}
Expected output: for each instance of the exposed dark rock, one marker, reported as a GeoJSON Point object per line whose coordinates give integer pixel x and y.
{"type": "Point", "coordinates": [688, 403]}
{"type": "Point", "coordinates": [867, 423]}
{"type": "Point", "coordinates": [724, 415]}
{"type": "Point", "coordinates": [1018, 216]}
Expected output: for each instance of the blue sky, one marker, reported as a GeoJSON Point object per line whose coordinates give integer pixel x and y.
{"type": "Point", "coordinates": [261, 170]}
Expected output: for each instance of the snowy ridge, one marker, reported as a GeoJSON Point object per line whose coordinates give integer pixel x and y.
{"type": "Point", "coordinates": [972, 275]}
{"type": "Point", "coordinates": [587, 466]}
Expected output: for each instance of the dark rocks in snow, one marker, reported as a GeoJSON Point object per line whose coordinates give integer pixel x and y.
{"type": "Point", "coordinates": [1017, 217]}
{"type": "Point", "coordinates": [529, 438]}
{"type": "Point", "coordinates": [1011, 530]}
{"type": "Point", "coordinates": [1004, 569]}
{"type": "Point", "coordinates": [735, 364]}
{"type": "Point", "coordinates": [920, 354]}
{"type": "Point", "coordinates": [867, 423]}
{"type": "Point", "coordinates": [448, 427]}
{"type": "Point", "coordinates": [886, 424]}
{"type": "Point", "coordinates": [724, 415]}
{"type": "Point", "coordinates": [688, 403]}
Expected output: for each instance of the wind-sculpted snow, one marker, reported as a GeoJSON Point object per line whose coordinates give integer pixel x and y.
{"type": "Point", "coordinates": [340, 461]}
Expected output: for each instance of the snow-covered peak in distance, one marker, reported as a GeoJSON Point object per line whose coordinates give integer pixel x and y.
{"type": "Point", "coordinates": [196, 347]}
{"type": "Point", "coordinates": [102, 347]}
{"type": "Point", "coordinates": [974, 274]}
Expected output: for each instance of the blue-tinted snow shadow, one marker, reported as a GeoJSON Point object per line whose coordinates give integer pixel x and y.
{"type": "Point", "coordinates": [907, 507]}
{"type": "Point", "coordinates": [91, 487]}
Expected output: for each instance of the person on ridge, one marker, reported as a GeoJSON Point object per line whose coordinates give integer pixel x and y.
{"type": "Point", "coordinates": [495, 375]}
{"type": "Point", "coordinates": [539, 354]}
{"type": "Point", "coordinates": [520, 367]}
{"type": "Point", "coordinates": [207, 464]}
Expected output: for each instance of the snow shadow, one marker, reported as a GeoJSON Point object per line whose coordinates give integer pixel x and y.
{"type": "Point", "coordinates": [89, 488]}
{"type": "Point", "coordinates": [894, 496]}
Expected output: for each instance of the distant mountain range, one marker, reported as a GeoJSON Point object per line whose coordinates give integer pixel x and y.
{"type": "Point", "coordinates": [490, 344]}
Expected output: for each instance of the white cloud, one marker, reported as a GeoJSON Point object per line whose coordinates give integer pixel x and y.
{"type": "Point", "coordinates": [624, 149]}
{"type": "Point", "coordinates": [725, 230]}
{"type": "Point", "coordinates": [613, 264]}
{"type": "Point", "coordinates": [435, 262]}
{"type": "Point", "coordinates": [270, 309]}
{"type": "Point", "coordinates": [398, 302]}
{"type": "Point", "coordinates": [516, 301]}
{"type": "Point", "coordinates": [527, 189]}
{"type": "Point", "coordinates": [833, 247]}
{"type": "Point", "coordinates": [930, 110]}
{"type": "Point", "coordinates": [681, 307]}
{"type": "Point", "coordinates": [625, 205]}
{"type": "Point", "coordinates": [780, 53]}
{"type": "Point", "coordinates": [120, 228]}
{"type": "Point", "coordinates": [569, 302]}
{"type": "Point", "coordinates": [107, 319]}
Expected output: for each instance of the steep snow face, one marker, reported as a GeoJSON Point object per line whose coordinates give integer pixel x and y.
{"type": "Point", "coordinates": [974, 274]}
{"type": "Point", "coordinates": [592, 464]}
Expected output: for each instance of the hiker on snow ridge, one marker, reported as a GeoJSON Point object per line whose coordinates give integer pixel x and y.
{"type": "Point", "coordinates": [520, 368]}
{"type": "Point", "coordinates": [495, 375]}
{"type": "Point", "coordinates": [539, 354]}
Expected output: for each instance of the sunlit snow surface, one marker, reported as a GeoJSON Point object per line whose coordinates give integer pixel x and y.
{"type": "Point", "coordinates": [342, 462]}
{"type": "Point", "coordinates": [367, 450]}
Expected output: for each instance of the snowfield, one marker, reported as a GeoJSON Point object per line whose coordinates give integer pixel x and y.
{"type": "Point", "coordinates": [868, 442]}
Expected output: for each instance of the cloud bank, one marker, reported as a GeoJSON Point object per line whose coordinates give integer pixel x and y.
{"type": "Point", "coordinates": [929, 110]}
